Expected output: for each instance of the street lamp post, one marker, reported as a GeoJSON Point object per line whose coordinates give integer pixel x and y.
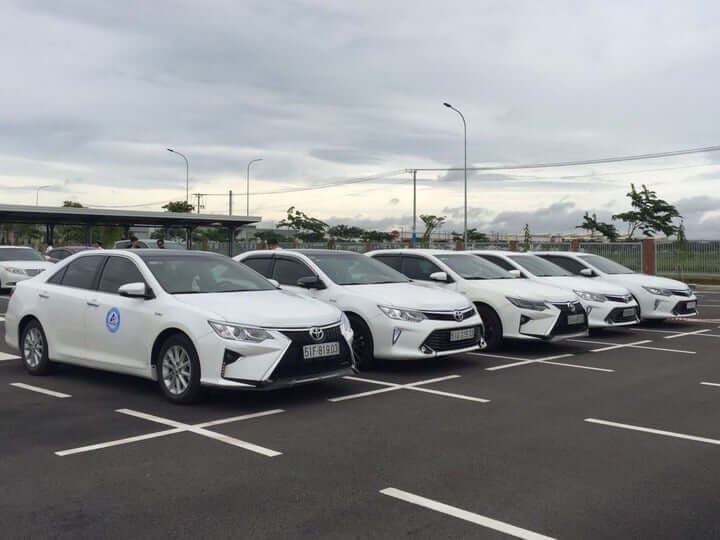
{"type": "Point", "coordinates": [37, 193]}
{"type": "Point", "coordinates": [247, 187]}
{"type": "Point", "coordinates": [465, 169]}
{"type": "Point", "coordinates": [187, 173]}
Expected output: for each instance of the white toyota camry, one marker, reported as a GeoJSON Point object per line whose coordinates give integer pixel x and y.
{"type": "Point", "coordinates": [183, 318]}
{"type": "Point", "coordinates": [509, 307]}
{"type": "Point", "coordinates": [391, 317]}
{"type": "Point", "coordinates": [18, 263]}
{"type": "Point", "coordinates": [659, 298]}
{"type": "Point", "coordinates": [607, 304]}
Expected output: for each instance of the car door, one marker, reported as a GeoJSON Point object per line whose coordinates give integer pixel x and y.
{"type": "Point", "coordinates": [65, 299]}
{"type": "Point", "coordinates": [120, 329]}
{"type": "Point", "coordinates": [263, 265]}
{"type": "Point", "coordinates": [571, 265]}
{"type": "Point", "coordinates": [287, 271]}
{"type": "Point", "coordinates": [419, 269]}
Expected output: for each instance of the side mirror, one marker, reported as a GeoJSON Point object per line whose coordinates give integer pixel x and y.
{"type": "Point", "coordinates": [587, 272]}
{"type": "Point", "coordinates": [135, 290]}
{"type": "Point", "coordinates": [439, 276]}
{"type": "Point", "coordinates": [310, 282]}
{"type": "Point", "coordinates": [275, 283]}
{"type": "Point", "coordinates": [515, 273]}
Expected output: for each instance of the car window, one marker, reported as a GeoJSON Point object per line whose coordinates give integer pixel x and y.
{"type": "Point", "coordinates": [123, 244]}
{"type": "Point", "coordinates": [393, 261]}
{"type": "Point", "coordinates": [119, 271]}
{"type": "Point", "coordinates": [262, 265]}
{"type": "Point", "coordinates": [62, 254]}
{"type": "Point", "coordinates": [538, 266]}
{"type": "Point", "coordinates": [502, 263]}
{"type": "Point", "coordinates": [287, 272]}
{"type": "Point", "coordinates": [81, 273]}
{"type": "Point", "coordinates": [20, 254]}
{"type": "Point", "coordinates": [419, 268]}
{"type": "Point", "coordinates": [471, 267]}
{"type": "Point", "coordinates": [56, 278]}
{"type": "Point", "coordinates": [571, 265]}
{"type": "Point", "coordinates": [142, 245]}
{"type": "Point", "coordinates": [346, 268]}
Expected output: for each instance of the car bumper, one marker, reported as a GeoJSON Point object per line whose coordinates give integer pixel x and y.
{"type": "Point", "coordinates": [272, 363]}
{"type": "Point", "coordinates": [8, 280]}
{"type": "Point", "coordinates": [610, 314]}
{"type": "Point", "coordinates": [549, 325]}
{"type": "Point", "coordinates": [398, 340]}
{"type": "Point", "coordinates": [666, 307]}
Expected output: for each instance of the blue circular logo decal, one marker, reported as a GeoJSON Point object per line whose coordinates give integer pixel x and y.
{"type": "Point", "coordinates": [112, 320]}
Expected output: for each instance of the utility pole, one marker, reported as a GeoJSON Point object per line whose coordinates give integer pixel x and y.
{"type": "Point", "coordinates": [414, 225]}
{"type": "Point", "coordinates": [464, 168]}
{"type": "Point", "coordinates": [198, 195]}
{"type": "Point", "coordinates": [187, 173]}
{"type": "Point", "coordinates": [230, 204]}
{"type": "Point", "coordinates": [247, 186]}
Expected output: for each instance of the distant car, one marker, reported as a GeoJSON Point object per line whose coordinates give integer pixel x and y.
{"type": "Point", "coordinates": [58, 254]}
{"type": "Point", "coordinates": [659, 298]}
{"type": "Point", "coordinates": [391, 317]}
{"type": "Point", "coordinates": [509, 307]}
{"type": "Point", "coordinates": [148, 243]}
{"type": "Point", "coordinates": [606, 303]}
{"type": "Point", "coordinates": [18, 263]}
{"type": "Point", "coordinates": [185, 319]}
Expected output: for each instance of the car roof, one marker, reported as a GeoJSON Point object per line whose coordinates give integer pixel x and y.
{"type": "Point", "coordinates": [562, 253]}
{"type": "Point", "coordinates": [419, 251]}
{"type": "Point", "coordinates": [18, 247]}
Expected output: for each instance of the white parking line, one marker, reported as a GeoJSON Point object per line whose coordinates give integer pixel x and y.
{"type": "Point", "coordinates": [548, 360]}
{"type": "Point", "coordinates": [4, 357]}
{"type": "Point", "coordinates": [688, 334]}
{"type": "Point", "coordinates": [40, 390]}
{"type": "Point", "coordinates": [634, 345]}
{"type": "Point", "coordinates": [710, 383]}
{"type": "Point", "coordinates": [390, 387]}
{"type": "Point", "coordinates": [579, 366]}
{"type": "Point", "coordinates": [653, 431]}
{"type": "Point", "coordinates": [179, 427]}
{"type": "Point", "coordinates": [459, 513]}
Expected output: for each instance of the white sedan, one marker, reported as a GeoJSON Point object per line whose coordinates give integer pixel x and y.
{"type": "Point", "coordinates": [18, 263]}
{"type": "Point", "coordinates": [509, 307]}
{"type": "Point", "coordinates": [659, 298]}
{"type": "Point", "coordinates": [183, 318]}
{"type": "Point", "coordinates": [391, 317]}
{"type": "Point", "coordinates": [607, 304]}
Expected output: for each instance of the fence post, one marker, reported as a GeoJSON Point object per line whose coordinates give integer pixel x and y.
{"type": "Point", "coordinates": [368, 247]}
{"type": "Point", "coordinates": [459, 245]}
{"type": "Point", "coordinates": [575, 245]}
{"type": "Point", "coordinates": [648, 256]}
{"type": "Point", "coordinates": [513, 245]}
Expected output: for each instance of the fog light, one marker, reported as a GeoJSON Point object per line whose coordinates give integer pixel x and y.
{"type": "Point", "coordinates": [588, 309]}
{"type": "Point", "coordinates": [523, 319]}
{"type": "Point", "coordinates": [396, 335]}
{"type": "Point", "coordinates": [425, 350]}
{"type": "Point", "coordinates": [657, 303]}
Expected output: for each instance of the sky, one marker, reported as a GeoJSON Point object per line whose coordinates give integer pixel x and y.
{"type": "Point", "coordinates": [93, 93]}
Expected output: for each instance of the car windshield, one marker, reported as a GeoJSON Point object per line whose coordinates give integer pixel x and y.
{"type": "Point", "coordinates": [20, 254]}
{"type": "Point", "coordinates": [355, 269]}
{"type": "Point", "coordinates": [539, 267]}
{"type": "Point", "coordinates": [472, 267]}
{"type": "Point", "coordinates": [606, 265]}
{"type": "Point", "coordinates": [197, 274]}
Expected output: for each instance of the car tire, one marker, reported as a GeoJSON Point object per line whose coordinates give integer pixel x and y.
{"type": "Point", "coordinates": [34, 349]}
{"type": "Point", "coordinates": [178, 370]}
{"type": "Point", "coordinates": [363, 348]}
{"type": "Point", "coordinates": [493, 327]}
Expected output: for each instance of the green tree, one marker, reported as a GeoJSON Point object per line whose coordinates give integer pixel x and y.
{"type": "Point", "coordinates": [649, 214]}
{"type": "Point", "coordinates": [589, 224]}
{"type": "Point", "coordinates": [72, 204]}
{"type": "Point", "coordinates": [473, 236]}
{"type": "Point", "coordinates": [431, 223]}
{"type": "Point", "coordinates": [527, 237]}
{"type": "Point", "coordinates": [345, 232]}
{"type": "Point", "coordinates": [181, 207]}
{"type": "Point", "coordinates": [376, 236]}
{"type": "Point", "coordinates": [608, 230]}
{"type": "Point", "coordinates": [308, 229]}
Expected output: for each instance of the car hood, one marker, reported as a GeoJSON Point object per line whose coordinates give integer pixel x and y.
{"type": "Point", "coordinates": [523, 288]}
{"type": "Point", "coordinates": [270, 309]}
{"type": "Point", "coordinates": [28, 265]}
{"type": "Point", "coordinates": [410, 296]}
{"type": "Point", "coordinates": [648, 281]}
{"type": "Point", "coordinates": [585, 284]}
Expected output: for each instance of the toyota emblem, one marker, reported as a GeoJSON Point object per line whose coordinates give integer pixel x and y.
{"type": "Point", "coordinates": [317, 334]}
{"type": "Point", "coordinates": [571, 307]}
{"type": "Point", "coordinates": [459, 316]}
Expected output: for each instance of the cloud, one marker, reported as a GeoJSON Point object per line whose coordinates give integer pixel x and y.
{"type": "Point", "coordinates": [394, 201]}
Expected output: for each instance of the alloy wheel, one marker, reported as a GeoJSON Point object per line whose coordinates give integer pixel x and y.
{"type": "Point", "coordinates": [176, 370]}
{"type": "Point", "coordinates": [33, 347]}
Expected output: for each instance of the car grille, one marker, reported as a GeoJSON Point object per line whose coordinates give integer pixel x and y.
{"type": "Point", "coordinates": [562, 326]}
{"type": "Point", "coordinates": [619, 299]}
{"type": "Point", "coordinates": [439, 340]}
{"type": "Point", "coordinates": [682, 292]}
{"type": "Point", "coordinates": [681, 308]}
{"type": "Point", "coordinates": [34, 271]}
{"type": "Point", "coordinates": [616, 315]}
{"type": "Point", "coordinates": [293, 365]}
{"type": "Point", "coordinates": [448, 315]}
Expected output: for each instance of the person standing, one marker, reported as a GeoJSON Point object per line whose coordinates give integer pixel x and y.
{"type": "Point", "coordinates": [161, 243]}
{"type": "Point", "coordinates": [134, 242]}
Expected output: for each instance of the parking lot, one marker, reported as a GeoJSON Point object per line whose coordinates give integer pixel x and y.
{"type": "Point", "coordinates": [616, 435]}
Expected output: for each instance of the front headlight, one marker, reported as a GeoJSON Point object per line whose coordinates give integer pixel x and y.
{"type": "Point", "coordinates": [658, 291]}
{"type": "Point", "coordinates": [240, 333]}
{"type": "Point", "coordinates": [14, 270]}
{"type": "Point", "coordinates": [523, 303]}
{"type": "Point", "coordinates": [591, 297]}
{"type": "Point", "coordinates": [402, 314]}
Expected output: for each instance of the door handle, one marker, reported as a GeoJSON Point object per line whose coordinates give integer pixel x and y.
{"type": "Point", "coordinates": [92, 304]}
{"type": "Point", "coordinates": [43, 295]}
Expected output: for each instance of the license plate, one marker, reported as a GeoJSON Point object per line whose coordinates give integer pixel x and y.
{"type": "Point", "coordinates": [630, 312]}
{"type": "Point", "coordinates": [459, 335]}
{"type": "Point", "coordinates": [576, 319]}
{"type": "Point", "coordinates": [691, 305]}
{"type": "Point", "coordinates": [320, 350]}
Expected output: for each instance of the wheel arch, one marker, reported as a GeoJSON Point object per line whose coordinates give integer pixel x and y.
{"type": "Point", "coordinates": [479, 305]}
{"type": "Point", "coordinates": [162, 337]}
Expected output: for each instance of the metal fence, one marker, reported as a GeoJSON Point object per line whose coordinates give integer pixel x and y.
{"type": "Point", "coordinates": [626, 253]}
{"type": "Point", "coordinates": [690, 257]}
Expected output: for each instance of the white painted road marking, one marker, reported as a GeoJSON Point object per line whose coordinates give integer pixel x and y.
{"type": "Point", "coordinates": [548, 360]}
{"type": "Point", "coordinates": [4, 357]}
{"type": "Point", "coordinates": [390, 387]}
{"type": "Point", "coordinates": [179, 427]}
{"type": "Point", "coordinates": [634, 345]}
{"type": "Point", "coordinates": [459, 513]}
{"type": "Point", "coordinates": [710, 383]}
{"type": "Point", "coordinates": [653, 431]}
{"type": "Point", "coordinates": [40, 390]}
{"type": "Point", "coordinates": [688, 334]}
